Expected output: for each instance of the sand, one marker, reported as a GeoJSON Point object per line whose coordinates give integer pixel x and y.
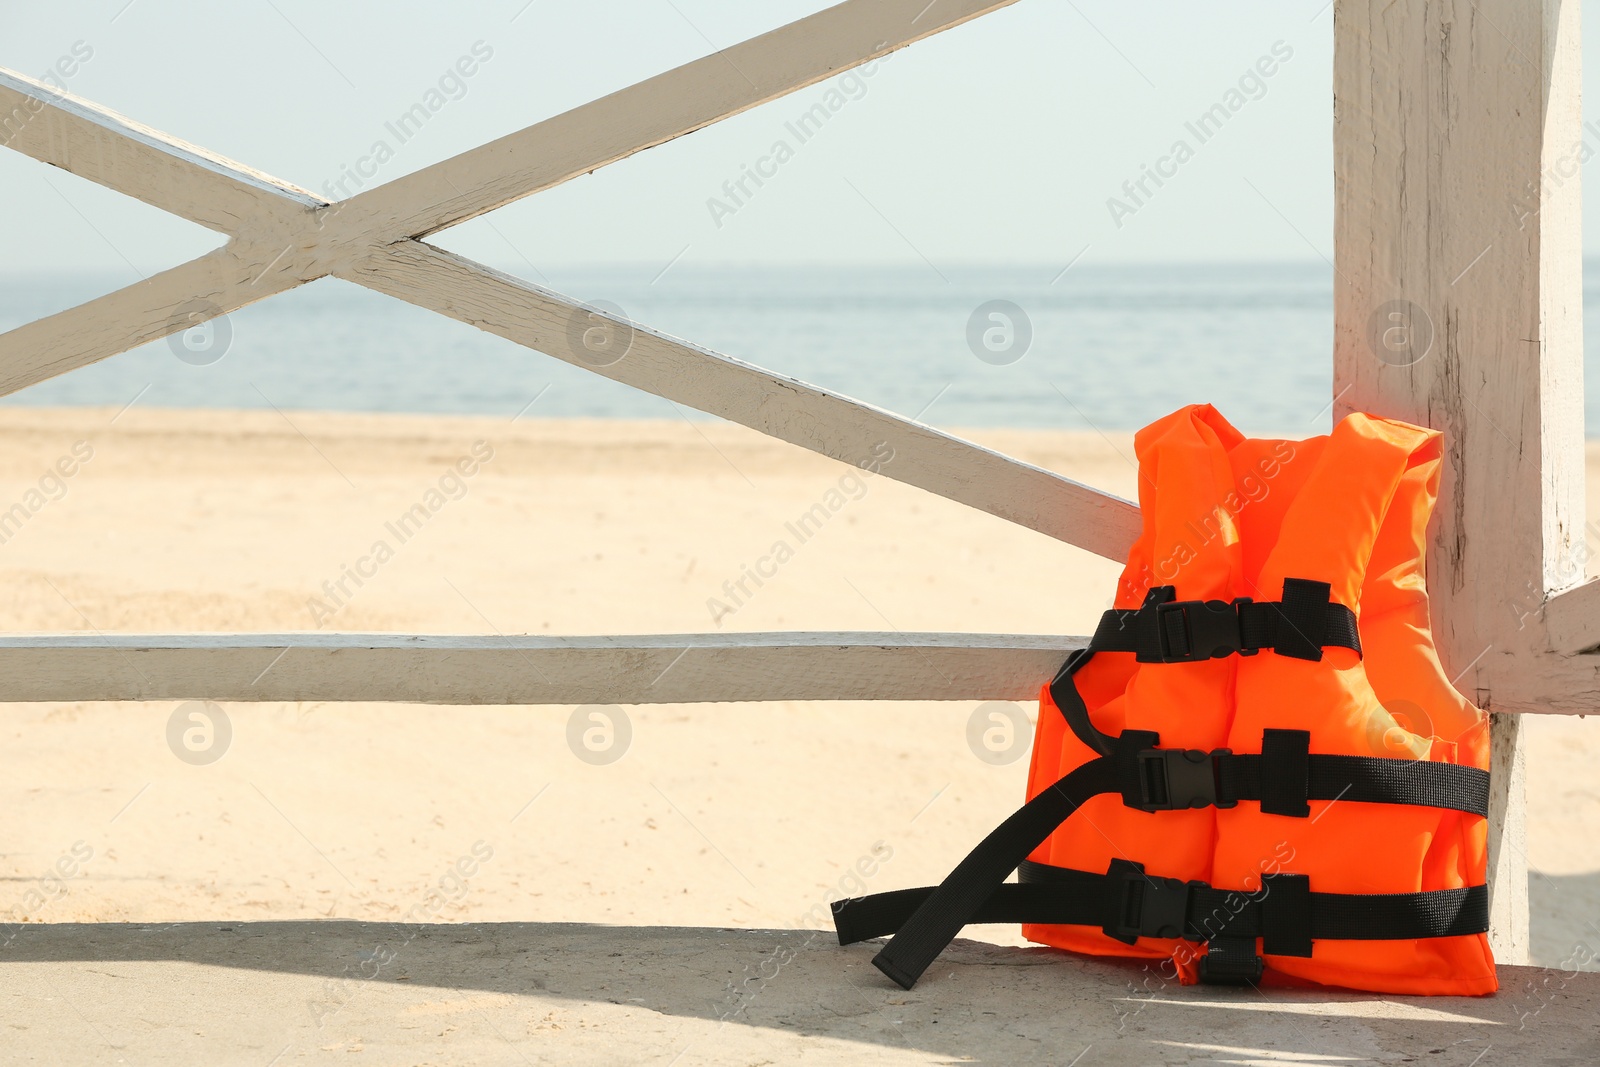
{"type": "Point", "coordinates": [723, 816]}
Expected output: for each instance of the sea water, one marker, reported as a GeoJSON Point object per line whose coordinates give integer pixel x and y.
{"type": "Point", "coordinates": [1094, 347]}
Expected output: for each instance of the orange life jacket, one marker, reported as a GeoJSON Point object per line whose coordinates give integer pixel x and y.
{"type": "Point", "coordinates": [1257, 762]}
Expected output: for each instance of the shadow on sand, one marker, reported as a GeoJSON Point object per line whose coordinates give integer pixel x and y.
{"type": "Point", "coordinates": [1566, 920]}
{"type": "Point", "coordinates": [980, 1002]}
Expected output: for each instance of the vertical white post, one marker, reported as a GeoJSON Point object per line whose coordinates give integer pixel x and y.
{"type": "Point", "coordinates": [1508, 841]}
{"type": "Point", "coordinates": [1457, 297]}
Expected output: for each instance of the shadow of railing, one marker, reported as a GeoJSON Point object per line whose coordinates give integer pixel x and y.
{"type": "Point", "coordinates": [980, 1002]}
{"type": "Point", "coordinates": [1564, 932]}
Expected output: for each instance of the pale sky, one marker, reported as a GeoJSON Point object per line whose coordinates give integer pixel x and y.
{"type": "Point", "coordinates": [1000, 141]}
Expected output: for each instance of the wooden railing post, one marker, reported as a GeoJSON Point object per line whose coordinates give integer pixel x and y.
{"type": "Point", "coordinates": [1508, 841]}
{"type": "Point", "coordinates": [1458, 306]}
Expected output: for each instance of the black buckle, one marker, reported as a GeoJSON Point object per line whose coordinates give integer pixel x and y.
{"type": "Point", "coordinates": [1171, 779]}
{"type": "Point", "coordinates": [1231, 961]}
{"type": "Point", "coordinates": [1144, 906]}
{"type": "Point", "coordinates": [1191, 631]}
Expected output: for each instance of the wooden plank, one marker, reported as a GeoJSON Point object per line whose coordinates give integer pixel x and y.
{"type": "Point", "coordinates": [652, 112]}
{"type": "Point", "coordinates": [428, 669]}
{"type": "Point", "coordinates": [1448, 117]}
{"type": "Point", "coordinates": [1562, 685]}
{"type": "Point", "coordinates": [145, 311]}
{"type": "Point", "coordinates": [282, 219]}
{"type": "Point", "coordinates": [1508, 841]}
{"type": "Point", "coordinates": [1572, 619]}
{"type": "Point", "coordinates": [782, 407]}
{"type": "Point", "coordinates": [98, 144]}
{"type": "Point", "coordinates": [288, 243]}
{"type": "Point", "coordinates": [278, 238]}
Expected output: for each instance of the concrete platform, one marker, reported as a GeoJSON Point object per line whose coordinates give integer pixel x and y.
{"type": "Point", "coordinates": [277, 993]}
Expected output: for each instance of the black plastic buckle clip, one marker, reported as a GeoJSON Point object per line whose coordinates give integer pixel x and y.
{"type": "Point", "coordinates": [1144, 906]}
{"type": "Point", "coordinates": [1171, 779]}
{"type": "Point", "coordinates": [1192, 631]}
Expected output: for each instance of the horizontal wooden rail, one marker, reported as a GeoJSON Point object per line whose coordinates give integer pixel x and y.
{"type": "Point", "coordinates": [1572, 618]}
{"type": "Point", "coordinates": [446, 669]}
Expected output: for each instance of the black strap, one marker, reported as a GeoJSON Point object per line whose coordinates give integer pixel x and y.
{"type": "Point", "coordinates": [1286, 773]}
{"type": "Point", "coordinates": [1155, 779]}
{"type": "Point", "coordinates": [1128, 904]}
{"type": "Point", "coordinates": [940, 917]}
{"type": "Point", "coordinates": [1167, 630]}
{"type": "Point", "coordinates": [1367, 779]}
{"type": "Point", "coordinates": [1231, 961]}
{"type": "Point", "coordinates": [883, 914]}
{"type": "Point", "coordinates": [1064, 691]}
{"type": "Point", "coordinates": [1286, 924]}
{"type": "Point", "coordinates": [1283, 776]}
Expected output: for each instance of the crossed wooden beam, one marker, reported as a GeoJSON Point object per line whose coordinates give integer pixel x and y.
{"type": "Point", "coordinates": [281, 236]}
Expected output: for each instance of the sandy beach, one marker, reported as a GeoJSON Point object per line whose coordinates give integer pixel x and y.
{"type": "Point", "coordinates": [722, 816]}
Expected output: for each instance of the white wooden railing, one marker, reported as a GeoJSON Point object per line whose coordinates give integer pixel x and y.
{"type": "Point", "coordinates": [281, 236]}
{"type": "Point", "coordinates": [1450, 119]}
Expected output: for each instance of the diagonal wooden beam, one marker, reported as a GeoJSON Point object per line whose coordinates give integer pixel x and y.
{"type": "Point", "coordinates": [283, 237]}
{"type": "Point", "coordinates": [291, 236]}
{"type": "Point", "coordinates": [653, 112]}
{"type": "Point", "coordinates": [781, 407]}
{"type": "Point", "coordinates": [146, 311]}
{"type": "Point", "coordinates": [458, 669]}
{"type": "Point", "coordinates": [105, 147]}
{"type": "Point", "coordinates": [114, 151]}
